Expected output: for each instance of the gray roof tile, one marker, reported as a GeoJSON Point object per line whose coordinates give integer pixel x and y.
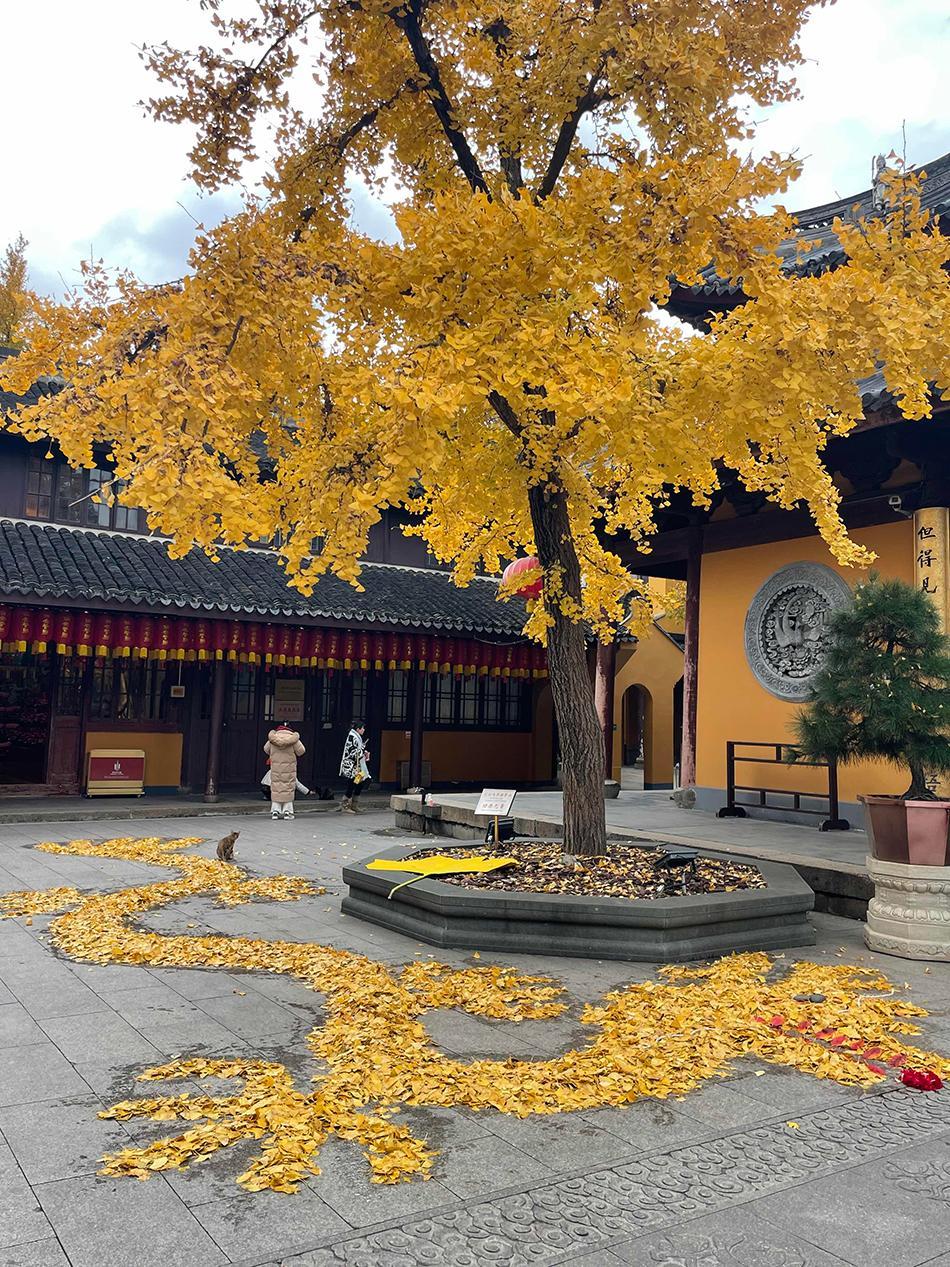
{"type": "Point", "coordinates": [44, 561]}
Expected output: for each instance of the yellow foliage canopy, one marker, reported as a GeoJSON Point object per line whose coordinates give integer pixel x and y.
{"type": "Point", "coordinates": [554, 165]}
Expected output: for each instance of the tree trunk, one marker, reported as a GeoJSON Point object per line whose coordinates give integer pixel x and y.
{"type": "Point", "coordinates": [918, 790]}
{"type": "Point", "coordinates": [582, 745]}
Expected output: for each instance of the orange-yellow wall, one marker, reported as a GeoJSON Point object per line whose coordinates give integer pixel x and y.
{"type": "Point", "coordinates": [730, 702]}
{"type": "Point", "coordinates": [162, 752]}
{"type": "Point", "coordinates": [656, 664]}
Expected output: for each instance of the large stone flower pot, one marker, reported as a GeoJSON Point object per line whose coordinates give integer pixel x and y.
{"type": "Point", "coordinates": [909, 914]}
{"type": "Point", "coordinates": [911, 832]}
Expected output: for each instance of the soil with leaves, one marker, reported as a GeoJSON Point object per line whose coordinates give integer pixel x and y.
{"type": "Point", "coordinates": [623, 871]}
{"type": "Point", "coordinates": [659, 1038]}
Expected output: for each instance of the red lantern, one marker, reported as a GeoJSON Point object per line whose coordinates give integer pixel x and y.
{"type": "Point", "coordinates": [363, 650]}
{"type": "Point", "coordinates": [497, 660]}
{"type": "Point", "coordinates": [481, 658]}
{"type": "Point", "coordinates": [65, 623]}
{"type": "Point", "coordinates": [451, 662]}
{"type": "Point", "coordinates": [144, 636]}
{"type": "Point", "coordinates": [202, 640]}
{"type": "Point", "coordinates": [524, 577]}
{"type": "Point", "coordinates": [84, 634]}
{"type": "Point", "coordinates": [539, 661]}
{"type": "Point", "coordinates": [102, 639]}
{"type": "Point", "coordinates": [182, 648]}
{"type": "Point", "coordinates": [123, 639]}
{"type": "Point", "coordinates": [407, 645]}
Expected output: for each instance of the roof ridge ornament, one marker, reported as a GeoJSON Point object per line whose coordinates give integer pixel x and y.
{"type": "Point", "coordinates": [878, 185]}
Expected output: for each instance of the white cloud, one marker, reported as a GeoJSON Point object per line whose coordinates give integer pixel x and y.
{"type": "Point", "coordinates": [83, 167]}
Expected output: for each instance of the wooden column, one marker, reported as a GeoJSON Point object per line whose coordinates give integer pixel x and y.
{"type": "Point", "coordinates": [694, 563]}
{"type": "Point", "coordinates": [215, 729]}
{"type": "Point", "coordinates": [416, 712]}
{"type": "Point", "coordinates": [605, 673]}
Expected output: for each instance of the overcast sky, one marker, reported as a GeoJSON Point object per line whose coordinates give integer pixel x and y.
{"type": "Point", "coordinates": [82, 168]}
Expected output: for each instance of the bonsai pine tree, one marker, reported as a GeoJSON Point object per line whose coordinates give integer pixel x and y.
{"type": "Point", "coordinates": [884, 689]}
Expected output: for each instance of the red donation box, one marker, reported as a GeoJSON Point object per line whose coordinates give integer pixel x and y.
{"type": "Point", "coordinates": [115, 772]}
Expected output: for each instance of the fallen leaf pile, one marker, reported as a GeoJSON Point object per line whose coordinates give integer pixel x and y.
{"type": "Point", "coordinates": [657, 1038]}
{"type": "Point", "coordinates": [624, 871]}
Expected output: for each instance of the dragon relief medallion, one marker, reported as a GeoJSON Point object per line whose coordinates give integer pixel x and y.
{"type": "Point", "coordinates": [786, 627]}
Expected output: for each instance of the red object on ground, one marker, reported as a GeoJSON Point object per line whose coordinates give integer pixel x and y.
{"type": "Point", "coordinates": [921, 1079]}
{"type": "Point", "coordinates": [530, 569]}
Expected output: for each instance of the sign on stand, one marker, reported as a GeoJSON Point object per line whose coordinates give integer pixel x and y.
{"type": "Point", "coordinates": [495, 802]}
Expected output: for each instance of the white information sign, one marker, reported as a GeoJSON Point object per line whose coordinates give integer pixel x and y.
{"type": "Point", "coordinates": [495, 801]}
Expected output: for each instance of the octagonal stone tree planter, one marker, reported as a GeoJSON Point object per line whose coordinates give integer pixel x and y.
{"type": "Point", "coordinates": [665, 930]}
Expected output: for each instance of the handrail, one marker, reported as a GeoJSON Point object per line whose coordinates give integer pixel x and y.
{"type": "Point", "coordinates": [733, 809]}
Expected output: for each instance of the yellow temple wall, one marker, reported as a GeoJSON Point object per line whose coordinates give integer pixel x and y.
{"type": "Point", "coordinates": [731, 704]}
{"type": "Point", "coordinates": [656, 665]}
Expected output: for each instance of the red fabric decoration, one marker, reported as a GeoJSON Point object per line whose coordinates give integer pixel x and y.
{"type": "Point", "coordinates": [349, 651]}
{"type": "Point", "coordinates": [42, 631]}
{"type": "Point", "coordinates": [317, 651]}
{"type": "Point", "coordinates": [123, 637]}
{"type": "Point", "coordinates": [163, 639]}
{"type": "Point", "coordinates": [333, 649]}
{"type": "Point", "coordinates": [529, 569]}
{"type": "Point", "coordinates": [285, 645]}
{"type": "Point", "coordinates": [102, 639]}
{"type": "Point", "coordinates": [539, 661]}
{"type": "Point", "coordinates": [84, 633]}
{"type": "Point", "coordinates": [422, 651]}
{"type": "Point", "coordinates": [436, 654]}
{"type": "Point", "coordinates": [202, 640]}
{"type": "Point", "coordinates": [363, 651]}
{"type": "Point", "coordinates": [299, 647]}
{"type": "Point", "coordinates": [65, 626]}
{"type": "Point", "coordinates": [921, 1079]}
{"type": "Point", "coordinates": [408, 651]}
{"type": "Point", "coordinates": [380, 651]}
{"type": "Point", "coordinates": [269, 643]}
{"type": "Point", "coordinates": [22, 631]}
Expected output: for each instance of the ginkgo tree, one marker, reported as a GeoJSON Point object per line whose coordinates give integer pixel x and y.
{"type": "Point", "coordinates": [498, 366]}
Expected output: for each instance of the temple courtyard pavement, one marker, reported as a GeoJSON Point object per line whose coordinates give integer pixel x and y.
{"type": "Point", "coordinates": [766, 1166]}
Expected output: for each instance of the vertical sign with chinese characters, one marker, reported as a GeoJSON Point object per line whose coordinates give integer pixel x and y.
{"type": "Point", "coordinates": [931, 545]}
{"type": "Point", "coordinates": [931, 566]}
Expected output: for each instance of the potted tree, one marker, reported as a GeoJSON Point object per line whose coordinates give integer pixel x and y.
{"type": "Point", "coordinates": [883, 693]}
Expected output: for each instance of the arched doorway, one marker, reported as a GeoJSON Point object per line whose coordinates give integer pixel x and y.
{"type": "Point", "coordinates": [637, 735]}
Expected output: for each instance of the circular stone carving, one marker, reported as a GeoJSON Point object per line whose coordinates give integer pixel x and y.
{"type": "Point", "coordinates": [786, 628]}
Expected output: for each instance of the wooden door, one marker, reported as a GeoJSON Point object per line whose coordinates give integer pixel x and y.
{"type": "Point", "coordinates": [244, 735]}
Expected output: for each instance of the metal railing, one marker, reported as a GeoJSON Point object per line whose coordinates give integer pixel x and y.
{"type": "Point", "coordinates": [831, 821]}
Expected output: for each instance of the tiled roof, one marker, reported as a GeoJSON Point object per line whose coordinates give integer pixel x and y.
{"type": "Point", "coordinates": [43, 561]}
{"type": "Point", "coordinates": [815, 230]}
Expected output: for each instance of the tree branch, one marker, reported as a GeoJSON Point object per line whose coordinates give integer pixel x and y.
{"type": "Point", "coordinates": [407, 19]}
{"type": "Point", "coordinates": [588, 100]}
{"type": "Point", "coordinates": [505, 412]}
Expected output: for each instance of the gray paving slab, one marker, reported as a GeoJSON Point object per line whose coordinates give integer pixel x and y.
{"type": "Point", "coordinates": [559, 1139]}
{"type": "Point", "coordinates": [886, 1213]}
{"type": "Point", "coordinates": [99, 1036]}
{"type": "Point", "coordinates": [17, 1027]}
{"type": "Point", "coordinates": [250, 1015]}
{"type": "Point", "coordinates": [344, 1184]}
{"type": "Point", "coordinates": [256, 1225]}
{"type": "Point", "coordinates": [649, 1125]}
{"type": "Point", "coordinates": [21, 1217]}
{"type": "Point", "coordinates": [37, 1072]}
{"type": "Point", "coordinates": [44, 1253]}
{"type": "Point", "coordinates": [736, 1238]}
{"type": "Point", "coordinates": [102, 1222]}
{"type": "Point", "coordinates": [55, 1139]}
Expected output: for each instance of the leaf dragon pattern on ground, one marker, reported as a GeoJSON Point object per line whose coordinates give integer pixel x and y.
{"type": "Point", "coordinates": [657, 1038]}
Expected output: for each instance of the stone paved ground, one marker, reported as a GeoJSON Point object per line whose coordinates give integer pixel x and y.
{"type": "Point", "coordinates": [718, 1178]}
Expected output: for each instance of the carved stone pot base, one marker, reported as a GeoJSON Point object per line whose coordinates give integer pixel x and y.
{"type": "Point", "coordinates": [909, 914]}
